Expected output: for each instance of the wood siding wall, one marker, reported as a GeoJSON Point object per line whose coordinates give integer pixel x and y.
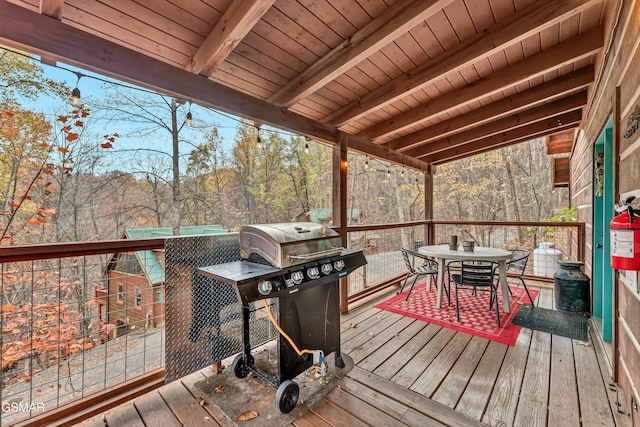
{"type": "Point", "coordinates": [621, 70]}
{"type": "Point", "coordinates": [126, 310]}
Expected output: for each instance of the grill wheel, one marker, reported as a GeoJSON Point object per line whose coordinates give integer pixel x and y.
{"type": "Point", "coordinates": [287, 396]}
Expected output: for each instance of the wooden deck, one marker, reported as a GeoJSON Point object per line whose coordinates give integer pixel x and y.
{"type": "Point", "coordinates": [408, 372]}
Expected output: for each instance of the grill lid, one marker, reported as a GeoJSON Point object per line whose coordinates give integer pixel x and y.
{"type": "Point", "coordinates": [286, 244]}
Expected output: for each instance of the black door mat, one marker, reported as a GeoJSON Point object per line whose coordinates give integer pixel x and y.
{"type": "Point", "coordinates": [565, 323]}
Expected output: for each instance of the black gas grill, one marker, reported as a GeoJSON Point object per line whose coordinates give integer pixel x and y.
{"type": "Point", "coordinates": [300, 265]}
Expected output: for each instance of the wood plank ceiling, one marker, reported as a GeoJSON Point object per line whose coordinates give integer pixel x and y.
{"type": "Point", "coordinates": [416, 82]}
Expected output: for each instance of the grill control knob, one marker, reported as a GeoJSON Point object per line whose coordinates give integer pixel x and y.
{"type": "Point", "coordinates": [326, 268]}
{"type": "Point", "coordinates": [313, 273]}
{"type": "Point", "coordinates": [265, 287]}
{"type": "Point", "coordinates": [339, 265]}
{"type": "Point", "coordinates": [297, 277]}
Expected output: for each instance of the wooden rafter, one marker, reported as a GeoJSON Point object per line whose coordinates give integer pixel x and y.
{"type": "Point", "coordinates": [553, 58]}
{"type": "Point", "coordinates": [530, 20]}
{"type": "Point", "coordinates": [237, 21]}
{"type": "Point", "coordinates": [514, 121]}
{"type": "Point", "coordinates": [396, 21]}
{"type": "Point", "coordinates": [40, 34]}
{"type": "Point", "coordinates": [535, 130]}
{"type": "Point", "coordinates": [52, 8]}
{"type": "Point", "coordinates": [560, 86]}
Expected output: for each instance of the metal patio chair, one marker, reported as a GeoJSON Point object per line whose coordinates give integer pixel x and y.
{"type": "Point", "coordinates": [427, 267]}
{"type": "Point", "coordinates": [473, 275]}
{"type": "Point", "coordinates": [516, 266]}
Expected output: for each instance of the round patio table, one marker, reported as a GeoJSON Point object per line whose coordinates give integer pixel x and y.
{"type": "Point", "coordinates": [442, 254]}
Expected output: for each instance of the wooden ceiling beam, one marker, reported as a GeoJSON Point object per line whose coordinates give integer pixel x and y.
{"type": "Point", "coordinates": [52, 8]}
{"type": "Point", "coordinates": [532, 19]}
{"type": "Point", "coordinates": [363, 146]}
{"type": "Point", "coordinates": [237, 21]}
{"type": "Point", "coordinates": [32, 32]}
{"type": "Point", "coordinates": [556, 57]}
{"type": "Point", "coordinates": [542, 112]}
{"type": "Point", "coordinates": [38, 34]}
{"type": "Point", "coordinates": [544, 92]}
{"type": "Point", "coordinates": [397, 20]}
{"type": "Point", "coordinates": [542, 134]}
{"type": "Point", "coordinates": [526, 133]}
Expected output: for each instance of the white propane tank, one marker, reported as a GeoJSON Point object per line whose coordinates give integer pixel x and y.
{"type": "Point", "coordinates": [545, 260]}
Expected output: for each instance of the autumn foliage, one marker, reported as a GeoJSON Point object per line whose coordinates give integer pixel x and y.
{"type": "Point", "coordinates": [45, 318]}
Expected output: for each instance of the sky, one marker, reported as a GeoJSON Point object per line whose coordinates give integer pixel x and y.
{"type": "Point", "coordinates": [126, 148]}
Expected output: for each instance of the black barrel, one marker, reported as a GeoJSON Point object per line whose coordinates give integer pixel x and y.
{"type": "Point", "coordinates": [571, 289]}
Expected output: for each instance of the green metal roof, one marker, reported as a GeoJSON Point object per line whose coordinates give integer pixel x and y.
{"type": "Point", "coordinates": [149, 261]}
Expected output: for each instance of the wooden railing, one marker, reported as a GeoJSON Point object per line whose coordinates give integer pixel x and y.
{"type": "Point", "coordinates": [382, 244]}
{"type": "Point", "coordinates": [385, 268]}
{"type": "Point", "coordinates": [57, 292]}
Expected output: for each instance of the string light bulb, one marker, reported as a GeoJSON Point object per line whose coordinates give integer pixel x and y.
{"type": "Point", "coordinates": [366, 163]}
{"type": "Point", "coordinates": [189, 120]}
{"type": "Point", "coordinates": [402, 173]}
{"type": "Point", "coordinates": [75, 93]}
{"type": "Point", "coordinates": [306, 145]}
{"type": "Point", "coordinates": [388, 173]}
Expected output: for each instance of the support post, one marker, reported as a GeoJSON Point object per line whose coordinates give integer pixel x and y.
{"type": "Point", "coordinates": [429, 230]}
{"type": "Point", "coordinates": [340, 206]}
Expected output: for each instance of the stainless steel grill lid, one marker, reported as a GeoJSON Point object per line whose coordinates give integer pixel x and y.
{"type": "Point", "coordinates": [287, 244]}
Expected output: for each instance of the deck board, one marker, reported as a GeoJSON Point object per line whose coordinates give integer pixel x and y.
{"type": "Point", "coordinates": [413, 400]}
{"type": "Point", "coordinates": [414, 367]}
{"type": "Point", "coordinates": [434, 374]}
{"type": "Point", "coordinates": [409, 372]}
{"type": "Point", "coordinates": [335, 415]}
{"type": "Point", "coordinates": [454, 384]}
{"type": "Point", "coordinates": [379, 339]}
{"type": "Point", "coordinates": [154, 411]}
{"type": "Point", "coordinates": [126, 416]}
{"type": "Point", "coordinates": [371, 397]}
{"type": "Point", "coordinates": [388, 349]}
{"type": "Point", "coordinates": [506, 390]}
{"type": "Point", "coordinates": [563, 406]}
{"type": "Point", "coordinates": [595, 409]}
{"type": "Point", "coordinates": [394, 364]}
{"type": "Point", "coordinates": [185, 407]}
{"type": "Point", "coordinates": [371, 416]}
{"type": "Point", "coordinates": [310, 420]}
{"type": "Point", "coordinates": [475, 397]}
{"type": "Point", "coordinates": [534, 395]}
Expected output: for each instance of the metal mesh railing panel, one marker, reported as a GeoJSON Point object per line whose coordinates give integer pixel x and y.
{"type": "Point", "coordinates": [382, 250]}
{"type": "Point", "coordinates": [68, 331]}
{"type": "Point", "coordinates": [546, 244]}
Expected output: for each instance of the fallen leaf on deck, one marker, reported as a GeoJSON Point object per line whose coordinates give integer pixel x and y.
{"type": "Point", "coordinates": [200, 401]}
{"type": "Point", "coordinates": [353, 325]}
{"type": "Point", "coordinates": [219, 390]}
{"type": "Point", "coordinates": [246, 416]}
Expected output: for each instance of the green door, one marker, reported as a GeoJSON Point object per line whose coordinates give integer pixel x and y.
{"type": "Point", "coordinates": [603, 204]}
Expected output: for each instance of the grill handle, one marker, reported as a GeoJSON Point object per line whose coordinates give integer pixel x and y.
{"type": "Point", "coordinates": [316, 255]}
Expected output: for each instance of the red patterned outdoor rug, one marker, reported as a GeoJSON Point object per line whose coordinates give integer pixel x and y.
{"type": "Point", "coordinates": [475, 316]}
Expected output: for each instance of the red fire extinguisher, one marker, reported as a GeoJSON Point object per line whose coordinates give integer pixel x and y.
{"type": "Point", "coordinates": [625, 238]}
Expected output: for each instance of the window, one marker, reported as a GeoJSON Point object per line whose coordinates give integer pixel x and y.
{"type": "Point", "coordinates": [128, 263]}
{"type": "Point", "coordinates": [120, 294]}
{"type": "Point", "coordinates": [138, 298]}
